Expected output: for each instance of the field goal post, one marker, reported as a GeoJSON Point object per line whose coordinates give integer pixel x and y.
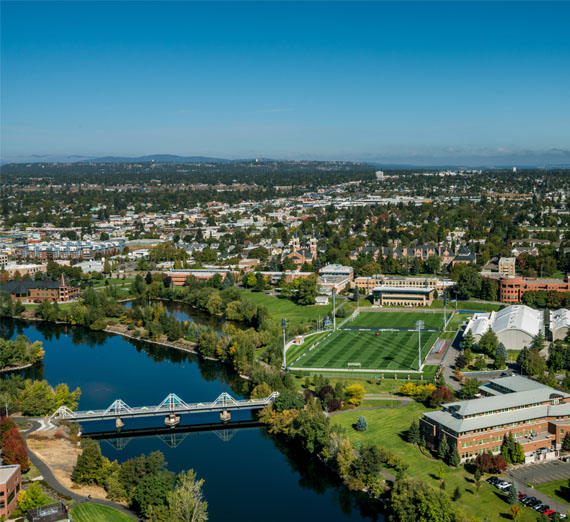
{"type": "Point", "coordinates": [353, 365]}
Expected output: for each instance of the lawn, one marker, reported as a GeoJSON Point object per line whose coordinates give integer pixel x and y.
{"type": "Point", "coordinates": [387, 350]}
{"type": "Point", "coordinates": [396, 320]}
{"type": "Point", "coordinates": [558, 489]}
{"type": "Point", "coordinates": [294, 313]}
{"type": "Point", "coordinates": [89, 512]}
{"type": "Point", "coordinates": [295, 350]}
{"type": "Point", "coordinates": [466, 305]}
{"type": "Point", "coordinates": [386, 428]}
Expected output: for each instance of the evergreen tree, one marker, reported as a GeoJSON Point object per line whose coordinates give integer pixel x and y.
{"type": "Point", "coordinates": [513, 497]}
{"type": "Point", "coordinates": [443, 449]}
{"type": "Point", "coordinates": [90, 463]}
{"type": "Point", "coordinates": [454, 458]}
{"type": "Point", "coordinates": [566, 442]}
{"type": "Point", "coordinates": [501, 351]}
{"type": "Point", "coordinates": [361, 423]}
{"type": "Point", "coordinates": [468, 341]}
{"type": "Point", "coordinates": [456, 494]}
{"type": "Point", "coordinates": [414, 433]}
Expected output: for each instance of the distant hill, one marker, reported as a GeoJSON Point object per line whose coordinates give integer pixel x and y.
{"type": "Point", "coordinates": [159, 158]}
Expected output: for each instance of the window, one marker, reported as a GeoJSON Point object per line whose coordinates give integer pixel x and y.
{"type": "Point", "coordinates": [11, 497]}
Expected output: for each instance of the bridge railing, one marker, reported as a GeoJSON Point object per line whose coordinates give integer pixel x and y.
{"type": "Point", "coordinates": [171, 404]}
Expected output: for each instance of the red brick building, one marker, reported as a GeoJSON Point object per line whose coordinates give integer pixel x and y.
{"type": "Point", "coordinates": [38, 291]}
{"type": "Point", "coordinates": [10, 485]}
{"type": "Point", "coordinates": [511, 289]}
{"type": "Point", "coordinates": [538, 417]}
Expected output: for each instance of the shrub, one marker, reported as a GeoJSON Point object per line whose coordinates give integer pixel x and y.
{"type": "Point", "coordinates": [361, 424]}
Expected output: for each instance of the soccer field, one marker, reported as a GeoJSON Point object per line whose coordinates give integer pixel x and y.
{"type": "Point", "coordinates": [396, 320]}
{"type": "Point", "coordinates": [385, 351]}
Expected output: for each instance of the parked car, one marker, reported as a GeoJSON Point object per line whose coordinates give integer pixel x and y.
{"type": "Point", "coordinates": [541, 508]}
{"type": "Point", "coordinates": [492, 480]}
{"type": "Point", "coordinates": [503, 485]}
{"type": "Point", "coordinates": [549, 512]}
{"type": "Point", "coordinates": [529, 500]}
{"type": "Point", "coordinates": [522, 496]}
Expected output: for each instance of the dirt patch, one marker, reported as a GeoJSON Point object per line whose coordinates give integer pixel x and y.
{"type": "Point", "coordinates": [59, 453]}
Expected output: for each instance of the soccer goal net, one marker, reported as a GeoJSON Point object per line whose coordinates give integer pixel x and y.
{"type": "Point", "coordinates": [353, 365]}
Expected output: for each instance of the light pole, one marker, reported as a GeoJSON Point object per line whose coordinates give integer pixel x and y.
{"type": "Point", "coordinates": [334, 309]}
{"type": "Point", "coordinates": [284, 325]}
{"type": "Point", "coordinates": [419, 326]}
{"type": "Point", "coordinates": [444, 309]}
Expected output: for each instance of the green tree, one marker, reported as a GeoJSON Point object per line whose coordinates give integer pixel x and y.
{"type": "Point", "coordinates": [90, 466]}
{"type": "Point", "coordinates": [413, 435]}
{"type": "Point", "coordinates": [489, 343]}
{"type": "Point", "coordinates": [456, 494]}
{"type": "Point", "coordinates": [311, 427]}
{"type": "Point", "coordinates": [413, 500]}
{"type": "Point", "coordinates": [566, 442]}
{"type": "Point", "coordinates": [37, 398]}
{"type": "Point", "coordinates": [470, 388]}
{"type": "Point", "coordinates": [261, 391]}
{"type": "Point", "coordinates": [454, 458]}
{"type": "Point", "coordinates": [361, 423]}
{"type": "Point", "coordinates": [187, 503]}
{"type": "Point", "coordinates": [468, 341]}
{"type": "Point", "coordinates": [443, 448]}
{"type": "Point", "coordinates": [307, 291]}
{"type": "Point", "coordinates": [513, 496]}
{"type": "Point", "coordinates": [63, 397]}
{"type": "Point", "coordinates": [501, 351]}
{"type": "Point", "coordinates": [152, 490]}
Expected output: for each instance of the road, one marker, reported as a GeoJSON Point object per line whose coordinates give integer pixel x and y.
{"type": "Point", "coordinates": [53, 482]}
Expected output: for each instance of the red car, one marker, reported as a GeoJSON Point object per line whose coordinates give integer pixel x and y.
{"type": "Point", "coordinates": [522, 495]}
{"type": "Point", "coordinates": [549, 512]}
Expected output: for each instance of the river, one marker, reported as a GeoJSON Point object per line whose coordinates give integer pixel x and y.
{"type": "Point", "coordinates": [249, 475]}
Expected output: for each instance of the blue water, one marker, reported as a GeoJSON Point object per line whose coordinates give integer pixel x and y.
{"type": "Point", "coordinates": [250, 477]}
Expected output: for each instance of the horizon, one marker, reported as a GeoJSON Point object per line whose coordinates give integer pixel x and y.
{"type": "Point", "coordinates": [472, 84]}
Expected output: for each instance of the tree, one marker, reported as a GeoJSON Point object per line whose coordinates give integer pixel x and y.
{"type": "Point", "coordinates": [470, 388]}
{"type": "Point", "coordinates": [516, 512]}
{"type": "Point", "coordinates": [361, 424]}
{"type": "Point", "coordinates": [307, 291]}
{"type": "Point", "coordinates": [566, 442]}
{"type": "Point", "coordinates": [186, 503]}
{"type": "Point", "coordinates": [440, 396]}
{"type": "Point", "coordinates": [344, 458]}
{"type": "Point", "coordinates": [355, 393]}
{"type": "Point", "coordinates": [32, 498]}
{"type": "Point", "coordinates": [37, 398]}
{"type": "Point", "coordinates": [489, 342]}
{"type": "Point", "coordinates": [311, 428]}
{"type": "Point", "coordinates": [106, 267]}
{"type": "Point", "coordinates": [152, 490]}
{"type": "Point", "coordinates": [513, 496]}
{"type": "Point", "coordinates": [414, 433]}
{"type": "Point", "coordinates": [501, 351]}
{"type": "Point", "coordinates": [261, 391]}
{"type": "Point", "coordinates": [413, 500]}
{"type": "Point", "coordinates": [443, 449]}
{"type": "Point", "coordinates": [456, 494]}
{"type": "Point", "coordinates": [89, 468]}
{"type": "Point", "coordinates": [454, 458]}
{"type": "Point", "coordinates": [468, 283]}
{"type": "Point", "coordinates": [63, 397]}
{"type": "Point", "coordinates": [468, 341]}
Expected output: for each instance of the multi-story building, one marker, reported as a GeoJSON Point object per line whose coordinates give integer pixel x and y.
{"type": "Point", "coordinates": [507, 266]}
{"type": "Point", "coordinates": [38, 291]}
{"type": "Point", "coordinates": [511, 289]}
{"type": "Point", "coordinates": [337, 270]}
{"type": "Point", "coordinates": [367, 284]}
{"type": "Point", "coordinates": [393, 296]}
{"type": "Point", "coordinates": [178, 277]}
{"type": "Point", "coordinates": [54, 250]}
{"type": "Point", "coordinates": [14, 269]}
{"type": "Point", "coordinates": [422, 252]}
{"type": "Point", "coordinates": [3, 259]}
{"type": "Point", "coordinates": [10, 485]}
{"type": "Point", "coordinates": [537, 416]}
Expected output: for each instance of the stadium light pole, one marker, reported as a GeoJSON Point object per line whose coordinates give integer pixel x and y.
{"type": "Point", "coordinates": [444, 309]}
{"type": "Point", "coordinates": [419, 326]}
{"type": "Point", "coordinates": [284, 325]}
{"type": "Point", "coordinates": [334, 309]}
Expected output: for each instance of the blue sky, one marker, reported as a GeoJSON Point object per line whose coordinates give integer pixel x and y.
{"type": "Point", "coordinates": [397, 82]}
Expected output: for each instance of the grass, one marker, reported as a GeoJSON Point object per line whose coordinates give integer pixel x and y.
{"type": "Point", "coordinates": [294, 351]}
{"type": "Point", "coordinates": [397, 320]}
{"type": "Point", "coordinates": [296, 315]}
{"type": "Point", "coordinates": [387, 350]}
{"type": "Point", "coordinates": [379, 403]}
{"type": "Point", "coordinates": [558, 490]}
{"type": "Point", "coordinates": [386, 428]}
{"type": "Point", "coordinates": [466, 305]}
{"type": "Point", "coordinates": [513, 354]}
{"type": "Point", "coordinates": [372, 385]}
{"type": "Point", "coordinates": [88, 512]}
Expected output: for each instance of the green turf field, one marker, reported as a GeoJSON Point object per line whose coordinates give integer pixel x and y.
{"type": "Point", "coordinates": [91, 512]}
{"type": "Point", "coordinates": [397, 320]}
{"type": "Point", "coordinates": [386, 351]}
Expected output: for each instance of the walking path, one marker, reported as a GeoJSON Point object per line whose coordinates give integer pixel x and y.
{"type": "Point", "coordinates": [54, 484]}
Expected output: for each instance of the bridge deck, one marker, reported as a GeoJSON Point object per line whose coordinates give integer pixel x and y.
{"type": "Point", "coordinates": [172, 405]}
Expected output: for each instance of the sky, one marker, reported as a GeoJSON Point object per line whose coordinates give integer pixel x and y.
{"type": "Point", "coordinates": [474, 83]}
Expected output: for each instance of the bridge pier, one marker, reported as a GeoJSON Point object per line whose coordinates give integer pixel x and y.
{"type": "Point", "coordinates": [172, 420]}
{"type": "Point", "coordinates": [119, 423]}
{"type": "Point", "coordinates": [225, 416]}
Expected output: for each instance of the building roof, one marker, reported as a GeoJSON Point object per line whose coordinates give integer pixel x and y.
{"type": "Point", "coordinates": [402, 290]}
{"type": "Point", "coordinates": [515, 317]}
{"type": "Point", "coordinates": [7, 472]}
{"type": "Point", "coordinates": [512, 384]}
{"type": "Point", "coordinates": [560, 319]}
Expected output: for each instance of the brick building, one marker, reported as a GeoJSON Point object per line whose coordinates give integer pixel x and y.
{"type": "Point", "coordinates": [511, 289]}
{"type": "Point", "coordinates": [392, 296]}
{"type": "Point", "coordinates": [538, 417]}
{"type": "Point", "coordinates": [10, 485]}
{"type": "Point", "coordinates": [367, 284]}
{"type": "Point", "coordinates": [38, 291]}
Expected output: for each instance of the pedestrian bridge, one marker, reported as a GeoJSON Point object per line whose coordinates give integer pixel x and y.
{"type": "Point", "coordinates": [172, 406]}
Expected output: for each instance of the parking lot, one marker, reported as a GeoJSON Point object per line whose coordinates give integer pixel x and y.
{"type": "Point", "coordinates": [539, 473]}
